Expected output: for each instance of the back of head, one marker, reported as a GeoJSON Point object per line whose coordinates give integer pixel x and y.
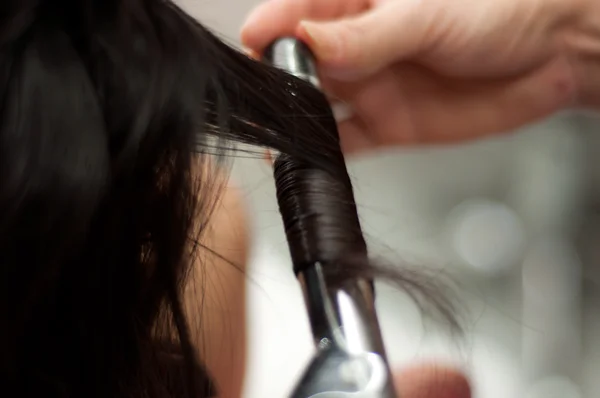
{"type": "Point", "coordinates": [95, 203]}
{"type": "Point", "coordinates": [109, 113]}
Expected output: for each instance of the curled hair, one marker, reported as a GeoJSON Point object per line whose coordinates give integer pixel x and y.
{"type": "Point", "coordinates": [108, 109]}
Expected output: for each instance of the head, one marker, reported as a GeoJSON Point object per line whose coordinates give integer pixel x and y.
{"type": "Point", "coordinates": [112, 114]}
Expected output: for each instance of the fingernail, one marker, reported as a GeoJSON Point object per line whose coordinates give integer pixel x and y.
{"type": "Point", "coordinates": [309, 32]}
{"type": "Point", "coordinates": [250, 53]}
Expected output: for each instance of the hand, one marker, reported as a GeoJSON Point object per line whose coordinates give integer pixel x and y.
{"type": "Point", "coordinates": [430, 71]}
{"type": "Point", "coordinates": [432, 382]}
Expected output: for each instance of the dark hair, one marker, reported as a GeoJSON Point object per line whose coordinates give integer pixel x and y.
{"type": "Point", "coordinates": [105, 108]}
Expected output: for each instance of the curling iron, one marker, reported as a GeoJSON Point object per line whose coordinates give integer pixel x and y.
{"type": "Point", "coordinates": [350, 361]}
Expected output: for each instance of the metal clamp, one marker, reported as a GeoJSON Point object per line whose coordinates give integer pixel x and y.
{"type": "Point", "coordinates": [350, 360]}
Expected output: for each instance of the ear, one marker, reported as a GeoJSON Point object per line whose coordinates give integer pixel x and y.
{"type": "Point", "coordinates": [431, 381]}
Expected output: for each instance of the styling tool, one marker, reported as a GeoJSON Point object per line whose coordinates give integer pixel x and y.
{"type": "Point", "coordinates": [350, 361]}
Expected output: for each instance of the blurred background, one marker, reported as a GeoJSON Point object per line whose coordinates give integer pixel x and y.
{"type": "Point", "coordinates": [513, 222]}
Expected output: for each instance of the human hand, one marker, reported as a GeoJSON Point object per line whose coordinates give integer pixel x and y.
{"type": "Point", "coordinates": [430, 71]}
{"type": "Point", "coordinates": [431, 382]}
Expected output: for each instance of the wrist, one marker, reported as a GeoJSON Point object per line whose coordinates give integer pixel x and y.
{"type": "Point", "coordinates": [582, 47]}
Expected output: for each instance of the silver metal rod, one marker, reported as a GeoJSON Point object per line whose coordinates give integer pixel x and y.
{"type": "Point", "coordinates": [294, 57]}
{"type": "Point", "coordinates": [351, 360]}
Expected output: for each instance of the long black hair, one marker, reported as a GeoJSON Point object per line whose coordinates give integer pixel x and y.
{"type": "Point", "coordinates": [108, 109]}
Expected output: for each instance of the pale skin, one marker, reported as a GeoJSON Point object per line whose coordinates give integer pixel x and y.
{"type": "Point", "coordinates": [438, 71]}
{"type": "Point", "coordinates": [216, 294]}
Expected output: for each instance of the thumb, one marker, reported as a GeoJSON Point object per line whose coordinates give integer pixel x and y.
{"type": "Point", "coordinates": [431, 381]}
{"type": "Point", "coordinates": [363, 44]}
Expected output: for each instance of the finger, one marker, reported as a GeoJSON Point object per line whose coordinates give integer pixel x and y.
{"type": "Point", "coordinates": [251, 54]}
{"type": "Point", "coordinates": [411, 105]}
{"type": "Point", "coordinates": [429, 381]}
{"type": "Point", "coordinates": [355, 137]}
{"type": "Point", "coordinates": [277, 18]}
{"type": "Point", "coordinates": [362, 44]}
{"type": "Point", "coordinates": [457, 115]}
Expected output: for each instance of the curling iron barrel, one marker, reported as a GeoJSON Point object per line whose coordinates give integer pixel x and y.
{"type": "Point", "coordinates": [350, 360]}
